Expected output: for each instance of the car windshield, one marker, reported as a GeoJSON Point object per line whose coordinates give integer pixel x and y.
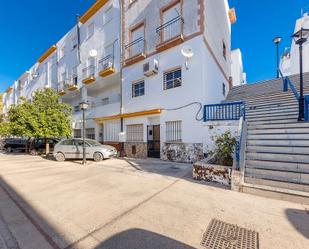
{"type": "Point", "coordinates": [93, 142]}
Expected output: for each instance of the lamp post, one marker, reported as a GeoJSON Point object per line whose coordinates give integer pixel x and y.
{"type": "Point", "coordinates": [277, 41]}
{"type": "Point", "coordinates": [83, 106]}
{"type": "Point", "coordinates": [300, 37]}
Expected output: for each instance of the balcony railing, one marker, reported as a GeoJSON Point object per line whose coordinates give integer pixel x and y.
{"type": "Point", "coordinates": [88, 71]}
{"type": "Point", "coordinates": [225, 111]}
{"type": "Point", "coordinates": [89, 74]}
{"type": "Point", "coordinates": [170, 30]}
{"type": "Point", "coordinates": [106, 65]}
{"type": "Point", "coordinates": [135, 48]}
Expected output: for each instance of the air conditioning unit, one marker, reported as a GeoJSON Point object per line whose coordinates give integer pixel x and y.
{"type": "Point", "coordinates": [107, 65]}
{"type": "Point", "coordinates": [150, 68]}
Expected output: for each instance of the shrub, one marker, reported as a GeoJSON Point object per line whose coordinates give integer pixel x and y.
{"type": "Point", "coordinates": [224, 149]}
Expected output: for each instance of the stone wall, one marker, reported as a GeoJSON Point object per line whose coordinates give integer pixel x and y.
{"type": "Point", "coordinates": [182, 152]}
{"type": "Point", "coordinates": [135, 149]}
{"type": "Point", "coordinates": [212, 173]}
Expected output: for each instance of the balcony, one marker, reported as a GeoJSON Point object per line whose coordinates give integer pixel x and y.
{"type": "Point", "coordinates": [170, 34]}
{"type": "Point", "coordinates": [73, 85]}
{"type": "Point", "coordinates": [88, 75]}
{"type": "Point", "coordinates": [106, 66]}
{"type": "Point", "coordinates": [135, 51]}
{"type": "Point", "coordinates": [62, 88]}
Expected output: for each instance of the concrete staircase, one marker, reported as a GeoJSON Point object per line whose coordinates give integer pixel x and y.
{"type": "Point", "coordinates": [277, 145]}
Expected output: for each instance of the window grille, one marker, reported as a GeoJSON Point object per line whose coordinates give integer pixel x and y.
{"type": "Point", "coordinates": [135, 133]}
{"type": "Point", "coordinates": [173, 131]}
{"type": "Point", "coordinates": [172, 79]}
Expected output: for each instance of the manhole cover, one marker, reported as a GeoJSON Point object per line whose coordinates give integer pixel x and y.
{"type": "Point", "coordinates": [221, 235]}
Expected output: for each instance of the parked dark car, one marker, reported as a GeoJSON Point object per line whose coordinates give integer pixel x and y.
{"type": "Point", "coordinates": [37, 146]}
{"type": "Point", "coordinates": [15, 144]}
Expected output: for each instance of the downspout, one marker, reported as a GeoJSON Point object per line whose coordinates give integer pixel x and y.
{"type": "Point", "coordinates": [78, 38]}
{"type": "Point", "coordinates": [121, 40]}
{"type": "Point", "coordinates": [121, 60]}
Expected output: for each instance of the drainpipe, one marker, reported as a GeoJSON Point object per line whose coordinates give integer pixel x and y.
{"type": "Point", "coordinates": [121, 40]}
{"type": "Point", "coordinates": [78, 37]}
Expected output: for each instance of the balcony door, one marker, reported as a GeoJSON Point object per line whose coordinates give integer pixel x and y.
{"type": "Point", "coordinates": [171, 22]}
{"type": "Point", "coordinates": [137, 38]}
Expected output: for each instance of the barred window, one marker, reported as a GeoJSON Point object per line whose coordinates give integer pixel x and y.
{"type": "Point", "coordinates": [138, 89]}
{"type": "Point", "coordinates": [135, 133]}
{"type": "Point", "coordinates": [173, 131]}
{"type": "Point", "coordinates": [172, 79]}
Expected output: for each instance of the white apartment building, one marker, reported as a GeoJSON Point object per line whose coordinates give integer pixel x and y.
{"type": "Point", "coordinates": [78, 74]}
{"type": "Point", "coordinates": [176, 57]}
{"type": "Point", "coordinates": [239, 77]}
{"type": "Point", "coordinates": [289, 63]}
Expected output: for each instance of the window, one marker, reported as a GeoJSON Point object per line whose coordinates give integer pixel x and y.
{"type": "Point", "coordinates": [90, 133]}
{"type": "Point", "coordinates": [224, 50]}
{"type": "Point", "coordinates": [135, 133]}
{"type": "Point", "coordinates": [138, 89]}
{"type": "Point", "coordinates": [76, 108]}
{"type": "Point", "coordinates": [105, 101]}
{"type": "Point", "coordinates": [90, 30]}
{"type": "Point", "coordinates": [108, 15]}
{"type": "Point", "coordinates": [172, 79]}
{"type": "Point", "coordinates": [173, 131]}
{"type": "Point", "coordinates": [77, 132]}
{"type": "Point", "coordinates": [223, 89]}
{"type": "Point", "coordinates": [172, 22]}
{"type": "Point", "coordinates": [68, 142]}
{"type": "Point", "coordinates": [137, 40]}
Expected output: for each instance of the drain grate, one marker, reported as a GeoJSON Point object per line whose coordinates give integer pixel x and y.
{"type": "Point", "coordinates": [221, 235]}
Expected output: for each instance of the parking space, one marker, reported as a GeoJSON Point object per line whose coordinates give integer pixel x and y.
{"type": "Point", "coordinates": [125, 203]}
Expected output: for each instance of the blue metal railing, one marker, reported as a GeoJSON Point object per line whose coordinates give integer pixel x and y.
{"type": "Point", "coordinates": [288, 84]}
{"type": "Point", "coordinates": [225, 111]}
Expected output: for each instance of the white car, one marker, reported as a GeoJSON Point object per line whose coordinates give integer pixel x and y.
{"type": "Point", "coordinates": [73, 149]}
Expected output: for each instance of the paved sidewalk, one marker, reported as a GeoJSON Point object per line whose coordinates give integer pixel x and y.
{"type": "Point", "coordinates": [132, 204]}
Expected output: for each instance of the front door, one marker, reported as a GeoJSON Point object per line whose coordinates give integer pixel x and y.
{"type": "Point", "coordinates": [153, 141]}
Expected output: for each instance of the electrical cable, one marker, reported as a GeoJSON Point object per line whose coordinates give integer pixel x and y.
{"type": "Point", "coordinates": [184, 106]}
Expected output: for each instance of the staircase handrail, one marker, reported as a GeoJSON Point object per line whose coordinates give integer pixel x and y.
{"type": "Point", "coordinates": [240, 145]}
{"type": "Point", "coordinates": [287, 83]}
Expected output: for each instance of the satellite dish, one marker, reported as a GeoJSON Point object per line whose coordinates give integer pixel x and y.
{"type": "Point", "coordinates": [93, 53]}
{"type": "Point", "coordinates": [187, 52]}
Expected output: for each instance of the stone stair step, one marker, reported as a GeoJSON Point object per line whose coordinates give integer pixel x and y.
{"type": "Point", "coordinates": [278, 157]}
{"type": "Point", "coordinates": [279, 131]}
{"type": "Point", "coordinates": [278, 149]}
{"type": "Point", "coordinates": [285, 109]}
{"type": "Point", "coordinates": [279, 113]}
{"type": "Point", "coordinates": [281, 126]}
{"type": "Point", "coordinates": [279, 122]}
{"type": "Point", "coordinates": [281, 166]}
{"type": "Point", "coordinates": [276, 193]}
{"type": "Point", "coordinates": [277, 136]}
{"type": "Point", "coordinates": [259, 142]}
{"type": "Point", "coordinates": [273, 118]}
{"type": "Point", "coordinates": [284, 176]}
{"type": "Point", "coordinates": [279, 184]}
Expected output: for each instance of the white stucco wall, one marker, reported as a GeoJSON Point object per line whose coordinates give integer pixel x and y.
{"type": "Point", "coordinates": [291, 65]}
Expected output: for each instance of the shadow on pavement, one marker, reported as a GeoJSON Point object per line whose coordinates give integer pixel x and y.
{"type": "Point", "coordinates": [141, 239]}
{"type": "Point", "coordinates": [299, 219]}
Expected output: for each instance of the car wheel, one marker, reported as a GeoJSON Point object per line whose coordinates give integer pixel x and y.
{"type": "Point", "coordinates": [33, 152]}
{"type": "Point", "coordinates": [97, 157]}
{"type": "Point", "coordinates": [9, 149]}
{"type": "Point", "coordinates": [59, 157]}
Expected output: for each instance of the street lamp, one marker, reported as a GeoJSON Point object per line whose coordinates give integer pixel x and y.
{"type": "Point", "coordinates": [277, 41]}
{"type": "Point", "coordinates": [83, 106]}
{"type": "Point", "coordinates": [300, 37]}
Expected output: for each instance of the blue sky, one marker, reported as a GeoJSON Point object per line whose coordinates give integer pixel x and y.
{"type": "Point", "coordinates": [28, 28]}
